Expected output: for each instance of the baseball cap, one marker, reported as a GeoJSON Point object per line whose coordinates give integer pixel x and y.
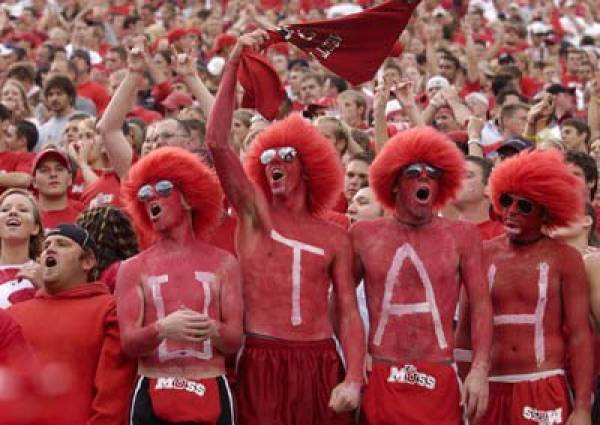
{"type": "Point", "coordinates": [514, 145]}
{"type": "Point", "coordinates": [77, 234]}
{"type": "Point", "coordinates": [559, 88]}
{"type": "Point", "coordinates": [50, 153]}
{"type": "Point", "coordinates": [177, 100]}
{"type": "Point", "coordinates": [437, 82]}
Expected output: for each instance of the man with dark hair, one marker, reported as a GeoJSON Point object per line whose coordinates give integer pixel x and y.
{"type": "Point", "coordinates": [513, 119]}
{"type": "Point", "coordinates": [83, 342]}
{"type": "Point", "coordinates": [116, 58]}
{"type": "Point", "coordinates": [68, 68]}
{"type": "Point", "coordinates": [86, 87]}
{"type": "Point", "coordinates": [15, 159]}
{"type": "Point", "coordinates": [448, 66]}
{"type": "Point", "coordinates": [584, 166]}
{"type": "Point", "coordinates": [357, 174]}
{"type": "Point", "coordinates": [311, 88]}
{"type": "Point", "coordinates": [576, 134]}
{"type": "Point", "coordinates": [59, 96]}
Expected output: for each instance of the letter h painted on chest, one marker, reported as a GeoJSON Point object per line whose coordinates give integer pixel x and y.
{"type": "Point", "coordinates": [388, 309]}
{"type": "Point", "coordinates": [536, 319]}
{"type": "Point", "coordinates": [156, 282]}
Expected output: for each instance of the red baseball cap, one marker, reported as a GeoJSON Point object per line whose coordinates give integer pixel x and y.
{"type": "Point", "coordinates": [47, 154]}
{"type": "Point", "coordinates": [177, 99]}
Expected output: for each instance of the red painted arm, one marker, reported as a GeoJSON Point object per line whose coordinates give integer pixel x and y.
{"type": "Point", "coordinates": [576, 303]}
{"type": "Point", "coordinates": [238, 188]}
{"type": "Point", "coordinates": [351, 331]}
{"type": "Point", "coordinates": [229, 338]}
{"type": "Point", "coordinates": [136, 339]}
{"type": "Point", "coordinates": [473, 276]}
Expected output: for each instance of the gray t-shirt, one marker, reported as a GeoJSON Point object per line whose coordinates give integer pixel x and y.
{"type": "Point", "coordinates": [51, 132]}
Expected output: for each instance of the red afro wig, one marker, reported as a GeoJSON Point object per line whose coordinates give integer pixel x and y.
{"type": "Point", "coordinates": [319, 159]}
{"type": "Point", "coordinates": [196, 182]}
{"type": "Point", "coordinates": [543, 178]}
{"type": "Point", "coordinates": [423, 144]}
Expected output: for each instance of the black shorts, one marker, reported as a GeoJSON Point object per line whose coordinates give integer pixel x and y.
{"type": "Point", "coordinates": [142, 411]}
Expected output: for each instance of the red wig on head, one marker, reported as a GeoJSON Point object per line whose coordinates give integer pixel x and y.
{"type": "Point", "coordinates": [543, 178]}
{"type": "Point", "coordinates": [196, 182]}
{"type": "Point", "coordinates": [319, 160]}
{"type": "Point", "coordinates": [423, 144]}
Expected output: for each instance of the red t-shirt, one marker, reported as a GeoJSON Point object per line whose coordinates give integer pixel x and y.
{"type": "Point", "coordinates": [16, 161]}
{"type": "Point", "coordinates": [104, 191]}
{"type": "Point", "coordinates": [96, 93]}
{"type": "Point", "coordinates": [13, 290]}
{"type": "Point", "coordinates": [51, 219]}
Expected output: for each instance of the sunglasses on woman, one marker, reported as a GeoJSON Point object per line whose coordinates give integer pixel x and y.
{"type": "Point", "coordinates": [163, 188]}
{"type": "Point", "coordinates": [524, 206]}
{"type": "Point", "coordinates": [287, 154]}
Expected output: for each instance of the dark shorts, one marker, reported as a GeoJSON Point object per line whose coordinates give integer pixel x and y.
{"type": "Point", "coordinates": [171, 400]}
{"type": "Point", "coordinates": [284, 382]}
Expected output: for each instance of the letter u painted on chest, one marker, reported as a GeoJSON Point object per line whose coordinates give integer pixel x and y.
{"type": "Point", "coordinates": [407, 252]}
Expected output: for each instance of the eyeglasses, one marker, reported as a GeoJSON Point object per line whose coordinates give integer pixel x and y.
{"type": "Point", "coordinates": [288, 154]}
{"type": "Point", "coordinates": [162, 188]}
{"type": "Point", "coordinates": [524, 206]}
{"type": "Point", "coordinates": [167, 135]}
{"type": "Point", "coordinates": [416, 170]}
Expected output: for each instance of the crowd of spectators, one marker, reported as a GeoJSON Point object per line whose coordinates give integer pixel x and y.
{"type": "Point", "coordinates": [87, 87]}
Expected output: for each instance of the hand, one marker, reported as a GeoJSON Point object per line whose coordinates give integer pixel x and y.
{"type": "Point", "coordinates": [474, 127]}
{"type": "Point", "coordinates": [31, 271]}
{"type": "Point", "coordinates": [437, 101]}
{"type": "Point", "coordinates": [184, 325]}
{"type": "Point", "coordinates": [450, 94]}
{"type": "Point", "coordinates": [382, 96]}
{"type": "Point", "coordinates": [183, 64]}
{"type": "Point", "coordinates": [79, 152]}
{"type": "Point", "coordinates": [404, 92]}
{"type": "Point", "coordinates": [345, 397]}
{"type": "Point", "coordinates": [579, 416]}
{"type": "Point", "coordinates": [475, 394]}
{"type": "Point", "coordinates": [137, 55]}
{"type": "Point", "coordinates": [251, 41]}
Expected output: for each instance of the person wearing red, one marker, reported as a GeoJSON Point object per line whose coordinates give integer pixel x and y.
{"type": "Point", "coordinates": [20, 242]}
{"type": "Point", "coordinates": [413, 263]}
{"type": "Point", "coordinates": [179, 302]}
{"type": "Point", "coordinates": [18, 140]}
{"type": "Point", "coordinates": [83, 341]}
{"type": "Point", "coordinates": [52, 179]}
{"type": "Point", "coordinates": [86, 87]}
{"type": "Point", "coordinates": [289, 371]}
{"type": "Point", "coordinates": [540, 296]}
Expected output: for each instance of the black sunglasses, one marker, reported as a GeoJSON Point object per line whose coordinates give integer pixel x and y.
{"type": "Point", "coordinates": [523, 205]}
{"type": "Point", "coordinates": [415, 170]}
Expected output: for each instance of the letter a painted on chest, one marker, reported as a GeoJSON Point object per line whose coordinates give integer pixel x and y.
{"type": "Point", "coordinates": [403, 253]}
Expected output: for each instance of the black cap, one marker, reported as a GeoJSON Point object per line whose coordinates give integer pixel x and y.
{"type": "Point", "coordinates": [559, 88]}
{"type": "Point", "coordinates": [77, 234]}
{"type": "Point", "coordinates": [82, 54]}
{"type": "Point", "coordinates": [514, 145]}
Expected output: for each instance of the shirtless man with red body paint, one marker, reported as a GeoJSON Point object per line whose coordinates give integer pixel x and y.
{"type": "Point", "coordinates": [540, 297]}
{"type": "Point", "coordinates": [289, 371]}
{"type": "Point", "coordinates": [179, 302]}
{"type": "Point", "coordinates": [413, 264]}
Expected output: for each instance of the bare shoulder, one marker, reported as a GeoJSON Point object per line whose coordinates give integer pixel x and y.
{"type": "Point", "coordinates": [368, 228]}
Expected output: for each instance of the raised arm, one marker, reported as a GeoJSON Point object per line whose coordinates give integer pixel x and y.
{"type": "Point", "coordinates": [475, 390]}
{"type": "Point", "coordinates": [185, 66]}
{"type": "Point", "coordinates": [346, 395]}
{"type": "Point", "coordinates": [576, 304]}
{"type": "Point", "coordinates": [237, 186]}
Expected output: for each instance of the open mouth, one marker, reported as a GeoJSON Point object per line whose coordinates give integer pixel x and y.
{"type": "Point", "coordinates": [423, 194]}
{"type": "Point", "coordinates": [277, 174]}
{"type": "Point", "coordinates": [155, 211]}
{"type": "Point", "coordinates": [51, 262]}
{"type": "Point", "coordinates": [13, 222]}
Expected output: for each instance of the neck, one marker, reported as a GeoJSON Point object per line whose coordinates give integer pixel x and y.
{"type": "Point", "coordinates": [179, 235]}
{"type": "Point", "coordinates": [526, 240]}
{"type": "Point", "coordinates": [579, 242]}
{"type": "Point", "coordinates": [53, 203]}
{"type": "Point", "coordinates": [65, 112]}
{"type": "Point", "coordinates": [61, 286]}
{"type": "Point", "coordinates": [476, 212]}
{"type": "Point", "coordinates": [411, 220]}
{"type": "Point", "coordinates": [83, 78]}
{"type": "Point", "coordinates": [293, 202]}
{"type": "Point", "coordinates": [14, 252]}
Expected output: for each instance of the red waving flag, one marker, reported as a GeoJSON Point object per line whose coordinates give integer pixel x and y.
{"type": "Point", "coordinates": [353, 46]}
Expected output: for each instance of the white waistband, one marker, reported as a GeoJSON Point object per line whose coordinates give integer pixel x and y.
{"type": "Point", "coordinates": [524, 377]}
{"type": "Point", "coordinates": [463, 355]}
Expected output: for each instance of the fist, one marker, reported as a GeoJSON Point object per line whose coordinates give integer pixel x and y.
{"type": "Point", "coordinates": [345, 397]}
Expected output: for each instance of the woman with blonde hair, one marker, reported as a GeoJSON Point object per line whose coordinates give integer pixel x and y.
{"type": "Point", "coordinates": [13, 96]}
{"type": "Point", "coordinates": [21, 236]}
{"type": "Point", "coordinates": [340, 135]}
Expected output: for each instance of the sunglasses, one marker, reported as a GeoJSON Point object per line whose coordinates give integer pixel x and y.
{"type": "Point", "coordinates": [162, 188]}
{"type": "Point", "coordinates": [523, 205]}
{"type": "Point", "coordinates": [288, 154]}
{"type": "Point", "coordinates": [416, 170]}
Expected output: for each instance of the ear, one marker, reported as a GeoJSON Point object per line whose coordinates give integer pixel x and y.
{"type": "Point", "coordinates": [587, 221]}
{"type": "Point", "coordinates": [88, 261]}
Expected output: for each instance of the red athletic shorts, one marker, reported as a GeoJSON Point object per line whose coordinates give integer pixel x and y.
{"type": "Point", "coordinates": [284, 382]}
{"type": "Point", "coordinates": [420, 393]}
{"type": "Point", "coordinates": [541, 398]}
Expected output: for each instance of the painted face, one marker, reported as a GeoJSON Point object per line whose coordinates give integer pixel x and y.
{"type": "Point", "coordinates": [522, 218]}
{"type": "Point", "coordinates": [163, 203]}
{"type": "Point", "coordinates": [416, 190]}
{"type": "Point", "coordinates": [17, 219]}
{"type": "Point", "coordinates": [282, 169]}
